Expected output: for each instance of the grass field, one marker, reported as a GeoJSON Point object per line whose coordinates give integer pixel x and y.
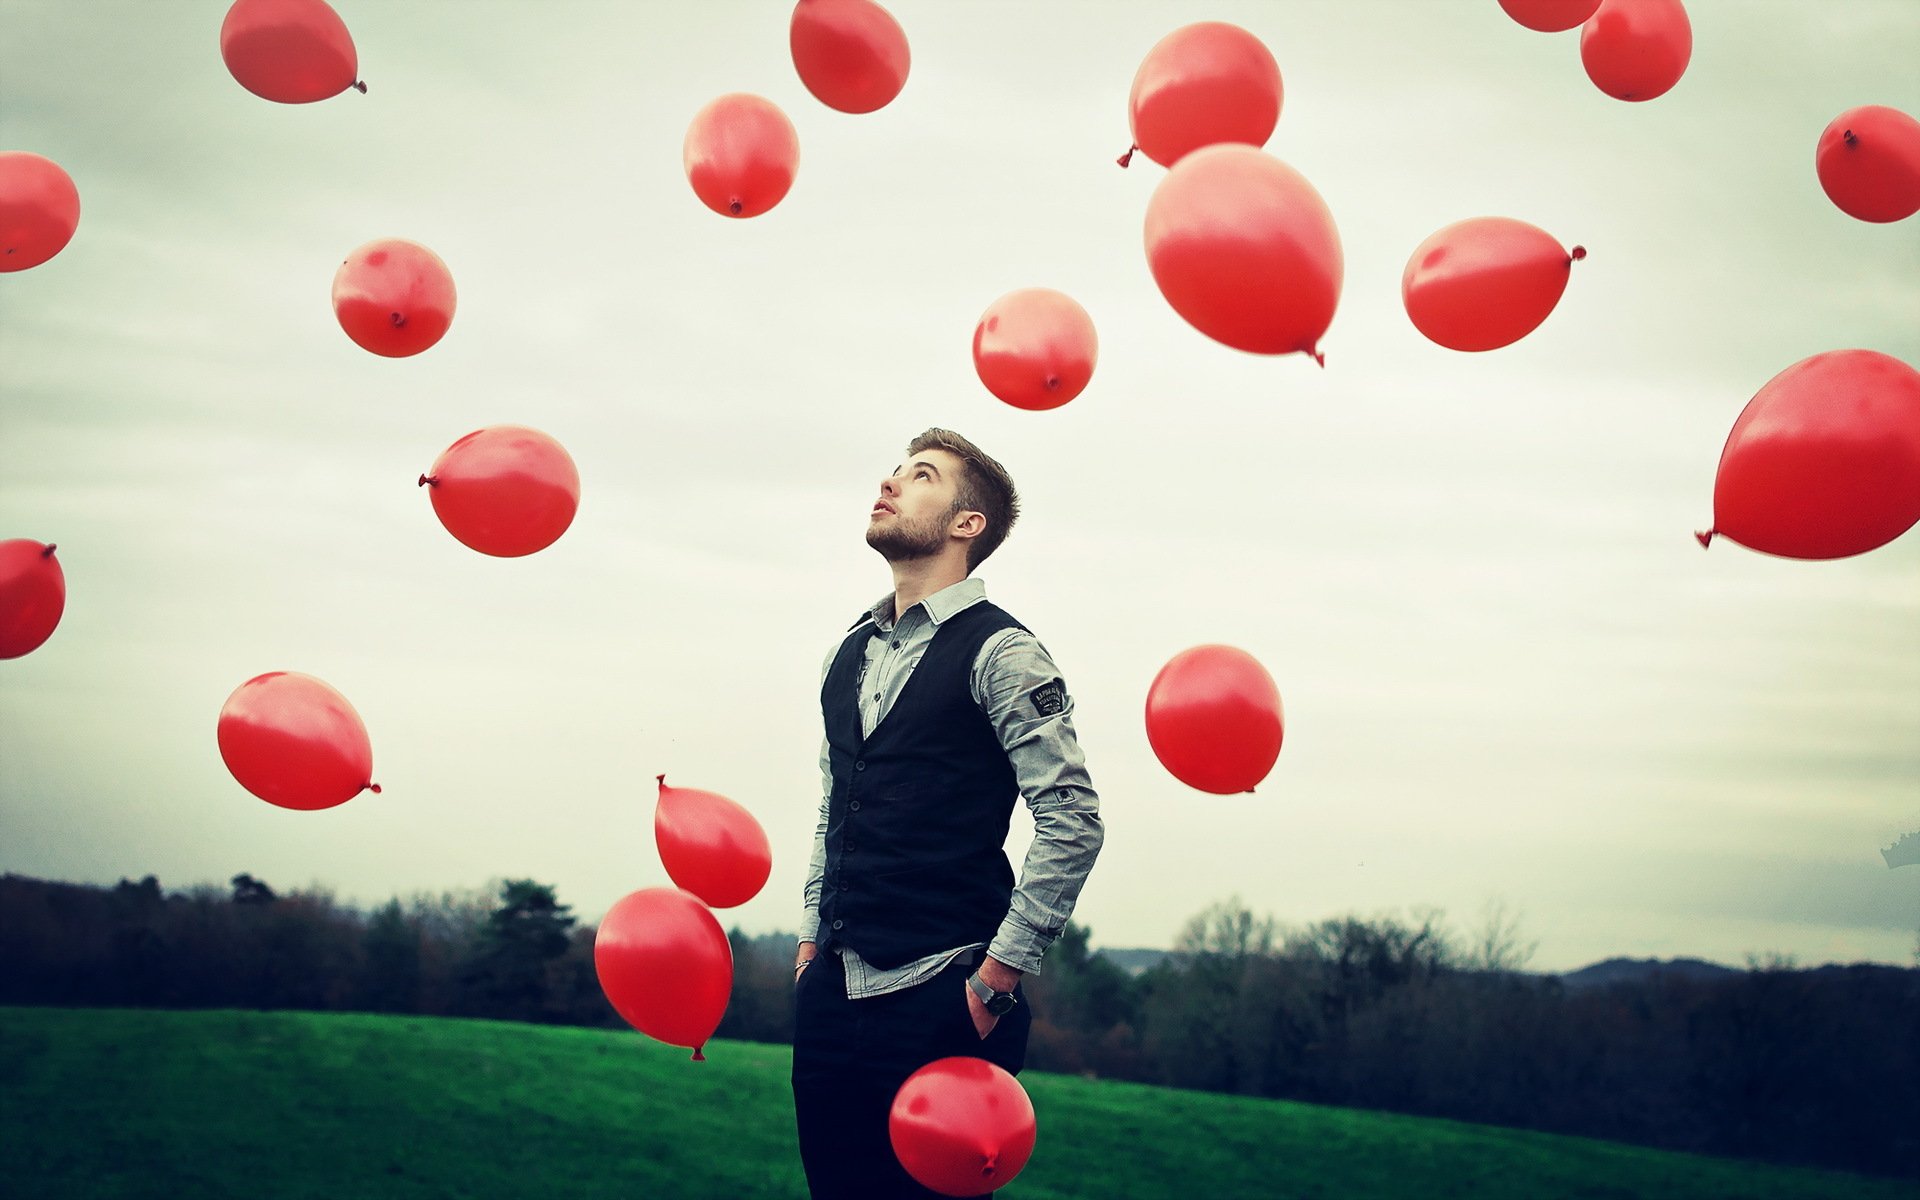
{"type": "Point", "coordinates": [184, 1105]}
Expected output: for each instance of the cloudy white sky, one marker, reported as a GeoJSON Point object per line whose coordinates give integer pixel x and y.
{"type": "Point", "coordinates": [1510, 673]}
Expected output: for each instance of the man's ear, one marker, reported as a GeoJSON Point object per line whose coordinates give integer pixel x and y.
{"type": "Point", "coordinates": [968, 525]}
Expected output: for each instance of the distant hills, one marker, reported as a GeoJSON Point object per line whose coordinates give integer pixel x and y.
{"type": "Point", "coordinates": [1135, 961]}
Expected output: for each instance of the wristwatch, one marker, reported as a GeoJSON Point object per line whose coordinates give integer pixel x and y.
{"type": "Point", "coordinates": [997, 1004]}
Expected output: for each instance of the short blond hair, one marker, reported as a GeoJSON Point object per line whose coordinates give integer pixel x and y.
{"type": "Point", "coordinates": [983, 487]}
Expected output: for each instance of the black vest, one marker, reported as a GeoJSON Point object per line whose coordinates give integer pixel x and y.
{"type": "Point", "coordinates": [918, 816]}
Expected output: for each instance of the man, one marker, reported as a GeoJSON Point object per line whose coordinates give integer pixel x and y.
{"type": "Point", "coordinates": [940, 709]}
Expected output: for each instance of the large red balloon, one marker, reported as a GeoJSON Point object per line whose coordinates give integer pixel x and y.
{"type": "Point", "coordinates": [1868, 161]}
{"type": "Point", "coordinates": [1484, 283]}
{"type": "Point", "coordinates": [292, 51]}
{"type": "Point", "coordinates": [39, 209]}
{"type": "Point", "coordinates": [505, 490]}
{"type": "Point", "coordinates": [962, 1126]}
{"type": "Point", "coordinates": [1825, 460]}
{"type": "Point", "coordinates": [851, 54]}
{"type": "Point", "coordinates": [711, 846]}
{"type": "Point", "coordinates": [1244, 248]}
{"type": "Point", "coordinates": [1201, 84]}
{"type": "Point", "coordinates": [1636, 49]}
{"type": "Point", "coordinates": [393, 297]}
{"type": "Point", "coordinates": [665, 966]}
{"type": "Point", "coordinates": [741, 154]}
{"type": "Point", "coordinates": [1035, 348]}
{"type": "Point", "coordinates": [1214, 719]}
{"type": "Point", "coordinates": [1550, 16]}
{"type": "Point", "coordinates": [33, 594]}
{"type": "Point", "coordinates": [293, 741]}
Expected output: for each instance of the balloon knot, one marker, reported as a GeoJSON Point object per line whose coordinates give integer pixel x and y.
{"type": "Point", "coordinates": [1318, 357]}
{"type": "Point", "coordinates": [661, 779]}
{"type": "Point", "coordinates": [1579, 252]}
{"type": "Point", "coordinates": [374, 788]}
{"type": "Point", "coordinates": [1705, 539]}
{"type": "Point", "coordinates": [986, 1167]}
{"type": "Point", "coordinates": [360, 86]}
{"type": "Point", "coordinates": [1848, 137]}
{"type": "Point", "coordinates": [1053, 383]}
{"type": "Point", "coordinates": [697, 1056]}
{"type": "Point", "coordinates": [397, 319]}
{"type": "Point", "coordinates": [734, 206]}
{"type": "Point", "coordinates": [48, 552]}
{"type": "Point", "coordinates": [427, 479]}
{"type": "Point", "coordinates": [1126, 158]}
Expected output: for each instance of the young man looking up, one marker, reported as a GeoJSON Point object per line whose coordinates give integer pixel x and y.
{"type": "Point", "coordinates": [940, 710]}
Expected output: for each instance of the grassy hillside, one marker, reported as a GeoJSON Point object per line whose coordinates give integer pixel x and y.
{"type": "Point", "coordinates": [185, 1105]}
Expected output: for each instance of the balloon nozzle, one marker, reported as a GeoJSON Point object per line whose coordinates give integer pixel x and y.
{"type": "Point", "coordinates": [697, 1056]}
{"type": "Point", "coordinates": [1318, 357]}
{"type": "Point", "coordinates": [1578, 253]}
{"type": "Point", "coordinates": [734, 206]}
{"type": "Point", "coordinates": [1704, 537]}
{"type": "Point", "coordinates": [425, 480]}
{"type": "Point", "coordinates": [1848, 137]}
{"type": "Point", "coordinates": [360, 86]}
{"type": "Point", "coordinates": [373, 787]}
{"type": "Point", "coordinates": [661, 779]}
{"type": "Point", "coordinates": [398, 319]}
{"type": "Point", "coordinates": [1126, 158]}
{"type": "Point", "coordinates": [48, 552]}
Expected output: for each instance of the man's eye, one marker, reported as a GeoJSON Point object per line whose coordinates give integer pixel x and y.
{"type": "Point", "coordinates": [920, 475]}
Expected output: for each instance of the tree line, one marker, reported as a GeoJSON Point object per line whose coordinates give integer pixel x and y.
{"type": "Point", "coordinates": [1819, 1067]}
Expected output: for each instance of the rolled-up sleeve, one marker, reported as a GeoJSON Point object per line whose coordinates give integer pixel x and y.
{"type": "Point", "coordinates": [1018, 686]}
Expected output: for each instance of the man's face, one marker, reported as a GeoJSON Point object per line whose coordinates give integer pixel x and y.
{"type": "Point", "coordinates": [911, 518]}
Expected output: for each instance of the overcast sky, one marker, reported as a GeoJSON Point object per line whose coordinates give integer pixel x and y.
{"type": "Point", "coordinates": [1510, 673]}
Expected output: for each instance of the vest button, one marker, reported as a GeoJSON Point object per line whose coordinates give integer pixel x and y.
{"type": "Point", "coordinates": [860, 764]}
{"type": "Point", "coordinates": [851, 848]}
{"type": "Point", "coordinates": [838, 924]}
{"type": "Point", "coordinates": [854, 805]}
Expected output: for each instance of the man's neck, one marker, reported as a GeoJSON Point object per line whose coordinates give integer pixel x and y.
{"type": "Point", "coordinates": [916, 579]}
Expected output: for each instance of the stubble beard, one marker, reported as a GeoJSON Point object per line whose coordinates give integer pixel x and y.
{"type": "Point", "coordinates": [902, 542]}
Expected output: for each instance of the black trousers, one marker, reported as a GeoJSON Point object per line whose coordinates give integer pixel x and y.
{"type": "Point", "coordinates": [851, 1056]}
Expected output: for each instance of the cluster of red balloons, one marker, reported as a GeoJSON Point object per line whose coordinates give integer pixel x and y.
{"type": "Point", "coordinates": [962, 1126]}
{"type": "Point", "coordinates": [660, 954]}
{"type": "Point", "coordinates": [1632, 49]}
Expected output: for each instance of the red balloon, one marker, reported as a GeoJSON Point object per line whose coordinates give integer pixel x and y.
{"type": "Point", "coordinates": [1244, 248]}
{"type": "Point", "coordinates": [1868, 161]}
{"type": "Point", "coordinates": [1035, 348]}
{"type": "Point", "coordinates": [393, 297]}
{"type": "Point", "coordinates": [1485, 283]}
{"type": "Point", "coordinates": [293, 741]}
{"type": "Point", "coordinates": [39, 209]}
{"type": "Point", "coordinates": [665, 966]}
{"type": "Point", "coordinates": [962, 1126]}
{"type": "Point", "coordinates": [292, 51]}
{"type": "Point", "coordinates": [1636, 49]}
{"type": "Point", "coordinates": [711, 846]}
{"type": "Point", "coordinates": [741, 154]}
{"type": "Point", "coordinates": [1201, 84]}
{"type": "Point", "coordinates": [33, 594]}
{"type": "Point", "coordinates": [505, 490]}
{"type": "Point", "coordinates": [851, 54]}
{"type": "Point", "coordinates": [1550, 16]}
{"type": "Point", "coordinates": [1825, 460]}
{"type": "Point", "coordinates": [1214, 720]}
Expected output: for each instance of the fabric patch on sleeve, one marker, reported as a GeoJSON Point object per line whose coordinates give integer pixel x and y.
{"type": "Point", "coordinates": [1049, 699]}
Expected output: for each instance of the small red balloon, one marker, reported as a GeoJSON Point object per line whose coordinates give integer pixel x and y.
{"type": "Point", "coordinates": [1868, 161]}
{"type": "Point", "coordinates": [505, 490]}
{"type": "Point", "coordinates": [393, 297]}
{"type": "Point", "coordinates": [741, 154]}
{"type": "Point", "coordinates": [711, 846]}
{"type": "Point", "coordinates": [290, 51]}
{"type": "Point", "coordinates": [962, 1126]}
{"type": "Point", "coordinates": [1824, 462]}
{"type": "Point", "coordinates": [1485, 283]}
{"type": "Point", "coordinates": [1244, 249]}
{"type": "Point", "coordinates": [1201, 84]}
{"type": "Point", "coordinates": [1214, 719]}
{"type": "Point", "coordinates": [665, 966]}
{"type": "Point", "coordinates": [1636, 49]}
{"type": "Point", "coordinates": [1035, 348]}
{"type": "Point", "coordinates": [39, 209]}
{"type": "Point", "coordinates": [851, 54]}
{"type": "Point", "coordinates": [293, 741]}
{"type": "Point", "coordinates": [1550, 16]}
{"type": "Point", "coordinates": [33, 595]}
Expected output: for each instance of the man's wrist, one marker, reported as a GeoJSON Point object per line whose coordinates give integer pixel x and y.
{"type": "Point", "coordinates": [998, 975]}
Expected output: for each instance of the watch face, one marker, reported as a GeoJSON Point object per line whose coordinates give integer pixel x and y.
{"type": "Point", "coordinates": [1000, 1004]}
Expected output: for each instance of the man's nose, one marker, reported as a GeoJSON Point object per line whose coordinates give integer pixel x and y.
{"type": "Point", "coordinates": [889, 486]}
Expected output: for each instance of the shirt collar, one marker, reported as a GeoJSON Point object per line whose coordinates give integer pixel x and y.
{"type": "Point", "coordinates": [953, 598]}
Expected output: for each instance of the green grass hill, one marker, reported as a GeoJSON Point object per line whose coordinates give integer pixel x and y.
{"type": "Point", "coordinates": [108, 1103]}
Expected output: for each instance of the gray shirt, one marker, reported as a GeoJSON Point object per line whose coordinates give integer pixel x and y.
{"type": "Point", "coordinates": [1010, 681]}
